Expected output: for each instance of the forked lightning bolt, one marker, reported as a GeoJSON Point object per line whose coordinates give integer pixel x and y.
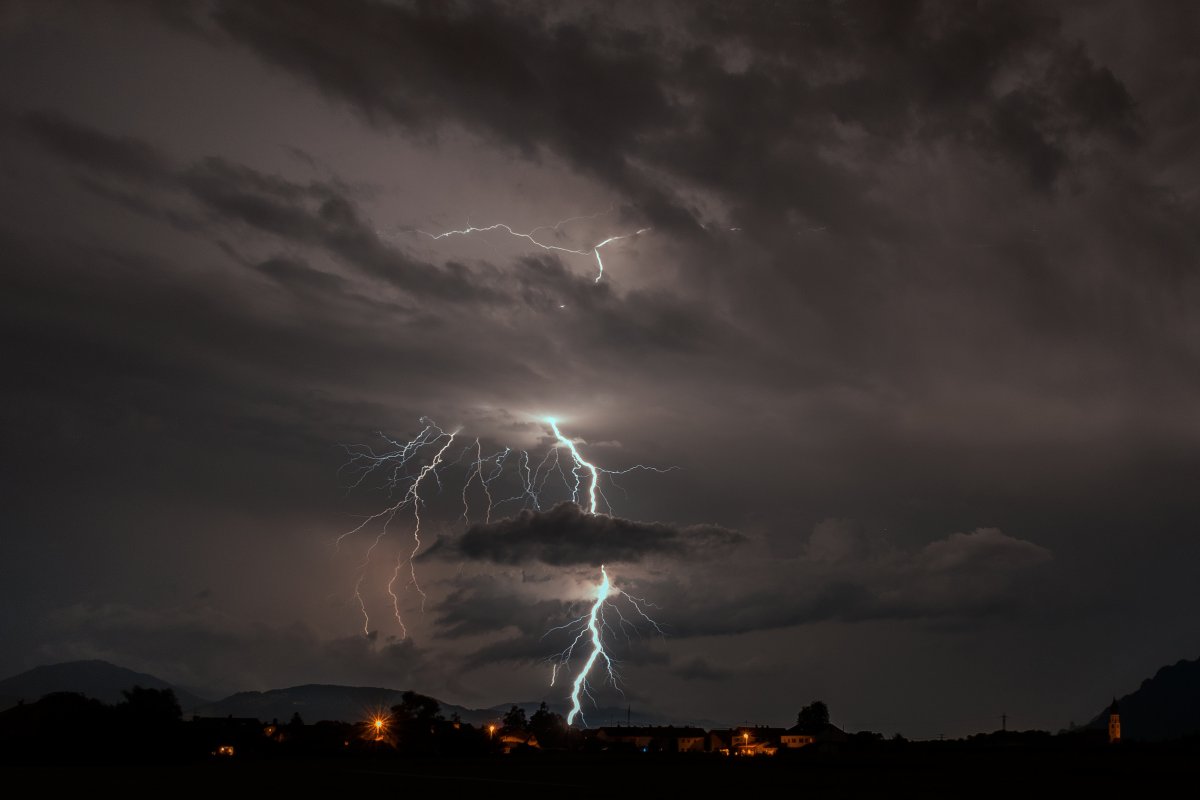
{"type": "Point", "coordinates": [406, 466]}
{"type": "Point", "coordinates": [583, 483]}
{"type": "Point", "coordinates": [594, 250]}
{"type": "Point", "coordinates": [590, 630]}
{"type": "Point", "coordinates": [592, 626]}
{"type": "Point", "coordinates": [579, 463]}
{"type": "Point", "coordinates": [593, 630]}
{"type": "Point", "coordinates": [366, 461]}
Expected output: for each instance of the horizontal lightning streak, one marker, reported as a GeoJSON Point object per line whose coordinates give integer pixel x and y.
{"type": "Point", "coordinates": [594, 250]}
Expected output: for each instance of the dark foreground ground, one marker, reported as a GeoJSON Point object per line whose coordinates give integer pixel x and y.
{"type": "Point", "coordinates": [1113, 772]}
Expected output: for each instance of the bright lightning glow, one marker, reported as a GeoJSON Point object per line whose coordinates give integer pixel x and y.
{"type": "Point", "coordinates": [590, 631]}
{"type": "Point", "coordinates": [406, 467]}
{"type": "Point", "coordinates": [597, 647]}
{"type": "Point", "coordinates": [594, 250]}
{"type": "Point", "coordinates": [580, 463]}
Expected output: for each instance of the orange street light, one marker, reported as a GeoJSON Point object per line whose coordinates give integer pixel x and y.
{"type": "Point", "coordinates": [380, 726]}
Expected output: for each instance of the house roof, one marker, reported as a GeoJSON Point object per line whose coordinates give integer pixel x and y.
{"type": "Point", "coordinates": [801, 730]}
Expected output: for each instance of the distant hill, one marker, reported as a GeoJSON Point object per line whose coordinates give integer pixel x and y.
{"type": "Point", "coordinates": [316, 702]}
{"type": "Point", "coordinates": [1166, 706]}
{"type": "Point", "coordinates": [98, 679]}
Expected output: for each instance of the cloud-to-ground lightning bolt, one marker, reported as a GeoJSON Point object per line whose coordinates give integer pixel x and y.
{"type": "Point", "coordinates": [394, 463]}
{"type": "Point", "coordinates": [594, 250]}
{"type": "Point", "coordinates": [406, 467]}
{"type": "Point", "coordinates": [593, 629]}
{"type": "Point", "coordinates": [416, 504]}
{"type": "Point", "coordinates": [590, 630]}
{"type": "Point", "coordinates": [592, 625]}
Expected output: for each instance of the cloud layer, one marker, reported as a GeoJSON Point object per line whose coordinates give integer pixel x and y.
{"type": "Point", "coordinates": [567, 536]}
{"type": "Point", "coordinates": [914, 269]}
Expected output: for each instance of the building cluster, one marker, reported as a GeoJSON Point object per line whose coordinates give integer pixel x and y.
{"type": "Point", "coordinates": [230, 735]}
{"type": "Point", "coordinates": [756, 740]}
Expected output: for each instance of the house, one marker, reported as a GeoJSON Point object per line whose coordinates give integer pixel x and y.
{"type": "Point", "coordinates": [799, 736]}
{"type": "Point", "coordinates": [652, 739]}
{"type": "Point", "coordinates": [511, 740]}
{"type": "Point", "coordinates": [796, 736]}
{"type": "Point", "coordinates": [227, 735]}
{"type": "Point", "coordinates": [748, 740]}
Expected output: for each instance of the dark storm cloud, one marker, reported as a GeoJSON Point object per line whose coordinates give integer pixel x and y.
{"type": "Point", "coordinates": [317, 213]}
{"type": "Point", "coordinates": [489, 66]}
{"type": "Point", "coordinates": [320, 214]}
{"type": "Point", "coordinates": [323, 215]}
{"type": "Point", "coordinates": [1002, 76]}
{"type": "Point", "coordinates": [566, 535]}
{"type": "Point", "coordinates": [966, 577]}
{"type": "Point", "coordinates": [999, 76]}
{"type": "Point", "coordinates": [487, 605]}
{"type": "Point", "coordinates": [636, 321]}
{"type": "Point", "coordinates": [809, 148]}
{"type": "Point", "coordinates": [915, 267]}
{"type": "Point", "coordinates": [531, 627]}
{"type": "Point", "coordinates": [124, 156]}
{"type": "Point", "coordinates": [699, 669]}
{"type": "Point", "coordinates": [298, 274]}
{"type": "Point", "coordinates": [468, 610]}
{"type": "Point", "coordinates": [962, 579]}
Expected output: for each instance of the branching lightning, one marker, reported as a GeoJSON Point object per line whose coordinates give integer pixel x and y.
{"type": "Point", "coordinates": [578, 464]}
{"type": "Point", "coordinates": [591, 630]}
{"type": "Point", "coordinates": [530, 237]}
{"type": "Point", "coordinates": [393, 463]}
{"type": "Point", "coordinates": [592, 625]}
{"type": "Point", "coordinates": [405, 466]}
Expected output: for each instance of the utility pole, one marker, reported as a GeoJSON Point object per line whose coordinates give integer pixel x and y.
{"type": "Point", "coordinates": [1004, 722]}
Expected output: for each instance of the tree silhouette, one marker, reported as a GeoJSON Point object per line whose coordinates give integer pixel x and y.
{"type": "Point", "coordinates": [813, 718]}
{"type": "Point", "coordinates": [514, 719]}
{"type": "Point", "coordinates": [148, 721]}
{"type": "Point", "coordinates": [417, 708]}
{"type": "Point", "coordinates": [549, 728]}
{"type": "Point", "coordinates": [154, 708]}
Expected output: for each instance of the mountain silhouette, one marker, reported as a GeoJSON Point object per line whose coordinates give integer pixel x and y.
{"type": "Point", "coordinates": [313, 702]}
{"type": "Point", "coordinates": [1166, 706]}
{"type": "Point", "coordinates": [97, 679]}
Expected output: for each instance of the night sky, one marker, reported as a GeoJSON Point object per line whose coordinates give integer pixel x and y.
{"type": "Point", "coordinates": [915, 320]}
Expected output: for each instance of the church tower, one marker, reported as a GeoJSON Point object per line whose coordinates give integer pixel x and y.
{"type": "Point", "coordinates": [1114, 723]}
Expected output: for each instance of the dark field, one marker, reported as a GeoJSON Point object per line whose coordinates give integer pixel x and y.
{"type": "Point", "coordinates": [1126, 772]}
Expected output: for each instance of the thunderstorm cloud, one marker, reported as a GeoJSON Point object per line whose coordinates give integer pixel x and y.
{"type": "Point", "coordinates": [566, 535]}
{"type": "Point", "coordinates": [915, 318]}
